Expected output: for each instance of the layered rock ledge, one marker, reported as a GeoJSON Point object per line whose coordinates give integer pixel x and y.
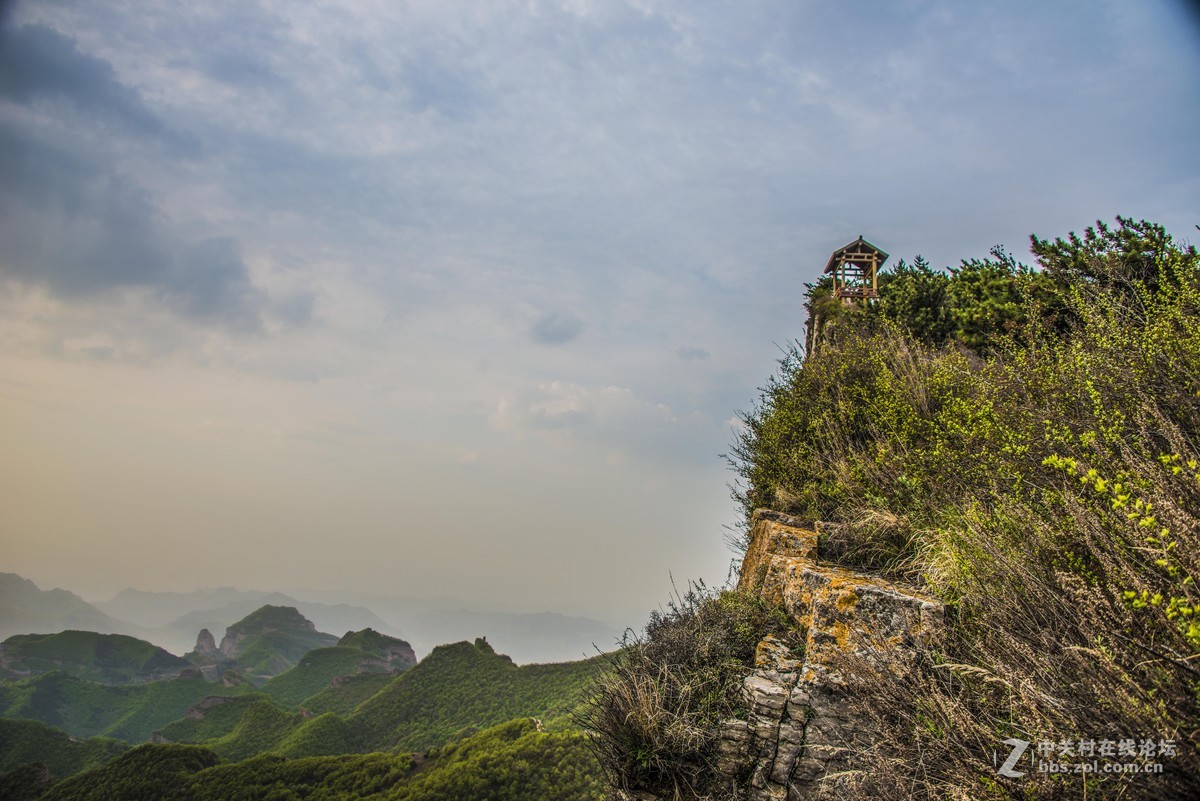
{"type": "Point", "coordinates": [803, 737]}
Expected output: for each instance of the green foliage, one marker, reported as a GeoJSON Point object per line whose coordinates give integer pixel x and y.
{"type": "Point", "coordinates": [315, 671]}
{"type": "Point", "coordinates": [457, 688]}
{"type": "Point", "coordinates": [939, 443]}
{"type": "Point", "coordinates": [147, 773]}
{"type": "Point", "coordinates": [86, 709]}
{"type": "Point", "coordinates": [320, 736]}
{"type": "Point", "coordinates": [348, 693]}
{"type": "Point", "coordinates": [1180, 602]}
{"type": "Point", "coordinates": [462, 685]}
{"type": "Point", "coordinates": [510, 761]}
{"type": "Point", "coordinates": [105, 658]}
{"type": "Point", "coordinates": [513, 761]}
{"type": "Point", "coordinates": [26, 783]}
{"type": "Point", "coordinates": [656, 713]}
{"type": "Point", "coordinates": [214, 718]}
{"type": "Point", "coordinates": [26, 741]}
{"type": "Point", "coordinates": [273, 639]}
{"type": "Point", "coordinates": [365, 651]}
{"type": "Point", "coordinates": [360, 776]}
{"type": "Point", "coordinates": [254, 724]}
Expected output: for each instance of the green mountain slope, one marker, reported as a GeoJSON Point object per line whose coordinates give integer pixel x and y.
{"type": "Point", "coordinates": [392, 652]}
{"type": "Point", "coordinates": [316, 670]}
{"type": "Point", "coordinates": [86, 709]}
{"type": "Point", "coordinates": [271, 640]}
{"type": "Point", "coordinates": [344, 695]}
{"type": "Point", "coordinates": [510, 762]}
{"type": "Point", "coordinates": [148, 772]}
{"type": "Point", "coordinates": [106, 658]}
{"type": "Point", "coordinates": [457, 689]}
{"type": "Point", "coordinates": [213, 718]}
{"type": "Point", "coordinates": [365, 651]}
{"type": "Point", "coordinates": [466, 685]}
{"type": "Point", "coordinates": [25, 741]}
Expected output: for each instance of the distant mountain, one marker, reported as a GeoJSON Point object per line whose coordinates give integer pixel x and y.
{"type": "Point", "coordinates": [173, 619]}
{"type": "Point", "coordinates": [180, 632]}
{"type": "Point", "coordinates": [159, 609]}
{"type": "Point", "coordinates": [267, 642]}
{"type": "Point", "coordinates": [527, 637]}
{"type": "Point", "coordinates": [25, 609]}
{"type": "Point", "coordinates": [357, 652]}
{"type": "Point", "coordinates": [456, 689]}
{"type": "Point", "coordinates": [104, 658]}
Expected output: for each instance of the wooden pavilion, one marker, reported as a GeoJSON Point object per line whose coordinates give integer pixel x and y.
{"type": "Point", "coordinates": [855, 269]}
{"type": "Point", "coordinates": [855, 272]}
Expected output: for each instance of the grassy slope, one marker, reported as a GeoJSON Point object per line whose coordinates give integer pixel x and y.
{"type": "Point", "coordinates": [87, 709]}
{"type": "Point", "coordinates": [107, 658]}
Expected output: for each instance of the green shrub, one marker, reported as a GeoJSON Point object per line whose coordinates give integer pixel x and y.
{"type": "Point", "coordinates": [977, 453]}
{"type": "Point", "coordinates": [656, 714]}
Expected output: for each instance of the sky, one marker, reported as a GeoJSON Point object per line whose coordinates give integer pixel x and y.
{"type": "Point", "coordinates": [463, 299]}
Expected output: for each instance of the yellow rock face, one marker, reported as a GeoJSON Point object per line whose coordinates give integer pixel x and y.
{"type": "Point", "coordinates": [800, 747]}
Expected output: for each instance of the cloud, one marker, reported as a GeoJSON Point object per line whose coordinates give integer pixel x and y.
{"type": "Point", "coordinates": [556, 328]}
{"type": "Point", "coordinates": [79, 228]}
{"type": "Point", "coordinates": [689, 353]}
{"type": "Point", "coordinates": [38, 63]}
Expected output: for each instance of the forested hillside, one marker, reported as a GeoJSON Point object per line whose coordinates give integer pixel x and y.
{"type": "Point", "coordinates": [466, 719]}
{"type": "Point", "coordinates": [514, 761]}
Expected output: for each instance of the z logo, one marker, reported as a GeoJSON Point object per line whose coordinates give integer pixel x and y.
{"type": "Point", "coordinates": [1018, 748]}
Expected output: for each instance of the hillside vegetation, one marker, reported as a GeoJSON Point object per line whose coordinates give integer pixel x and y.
{"type": "Point", "coordinates": [510, 762]}
{"type": "Point", "coordinates": [271, 640]}
{"type": "Point", "coordinates": [106, 658]}
{"type": "Point", "coordinates": [456, 690]}
{"type": "Point", "coordinates": [357, 652]}
{"type": "Point", "coordinates": [27, 741]}
{"type": "Point", "coordinates": [1024, 443]}
{"type": "Point", "coordinates": [466, 686]}
{"type": "Point", "coordinates": [86, 709]}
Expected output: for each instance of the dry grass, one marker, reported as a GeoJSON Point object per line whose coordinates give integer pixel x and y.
{"type": "Point", "coordinates": [656, 713]}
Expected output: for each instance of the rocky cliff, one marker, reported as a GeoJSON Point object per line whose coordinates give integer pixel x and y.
{"type": "Point", "coordinates": [802, 737]}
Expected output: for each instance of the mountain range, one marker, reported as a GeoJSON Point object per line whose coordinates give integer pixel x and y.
{"type": "Point", "coordinates": [463, 716]}
{"type": "Point", "coordinates": [172, 620]}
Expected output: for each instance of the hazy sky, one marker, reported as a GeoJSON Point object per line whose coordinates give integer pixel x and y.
{"type": "Point", "coordinates": [440, 298]}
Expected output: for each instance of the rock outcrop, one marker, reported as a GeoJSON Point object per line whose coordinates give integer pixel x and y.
{"type": "Point", "coordinates": [803, 738]}
{"type": "Point", "coordinates": [803, 735]}
{"type": "Point", "coordinates": [206, 644]}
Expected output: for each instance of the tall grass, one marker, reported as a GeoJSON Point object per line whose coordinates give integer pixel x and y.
{"type": "Point", "coordinates": [1043, 485]}
{"type": "Point", "coordinates": [656, 714]}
